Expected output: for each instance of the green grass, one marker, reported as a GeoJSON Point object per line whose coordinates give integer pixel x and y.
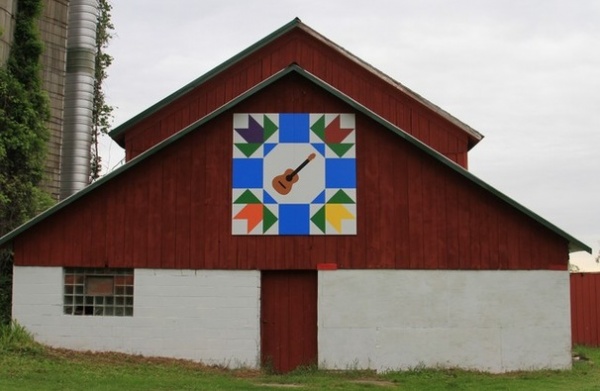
{"type": "Point", "coordinates": [26, 365]}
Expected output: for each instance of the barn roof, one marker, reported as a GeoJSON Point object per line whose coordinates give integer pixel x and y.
{"type": "Point", "coordinates": [574, 244]}
{"type": "Point", "coordinates": [118, 132]}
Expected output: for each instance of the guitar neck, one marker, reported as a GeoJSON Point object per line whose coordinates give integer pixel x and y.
{"type": "Point", "coordinates": [301, 166]}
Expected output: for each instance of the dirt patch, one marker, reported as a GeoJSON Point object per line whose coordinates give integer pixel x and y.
{"type": "Point", "coordinates": [378, 383]}
{"type": "Point", "coordinates": [112, 358]}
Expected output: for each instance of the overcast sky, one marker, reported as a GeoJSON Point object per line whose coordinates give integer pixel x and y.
{"type": "Point", "coordinates": [525, 73]}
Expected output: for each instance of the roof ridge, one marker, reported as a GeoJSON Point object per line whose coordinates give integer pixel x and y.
{"type": "Point", "coordinates": [475, 136]}
{"type": "Point", "coordinates": [418, 97]}
{"type": "Point", "coordinates": [116, 132]}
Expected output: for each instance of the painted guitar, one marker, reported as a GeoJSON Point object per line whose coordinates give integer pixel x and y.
{"type": "Point", "coordinates": [283, 183]}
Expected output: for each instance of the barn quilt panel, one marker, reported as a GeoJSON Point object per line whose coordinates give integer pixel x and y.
{"type": "Point", "coordinates": [294, 174]}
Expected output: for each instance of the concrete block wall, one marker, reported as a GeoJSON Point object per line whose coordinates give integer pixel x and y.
{"type": "Point", "coordinates": [494, 321]}
{"type": "Point", "coordinates": [209, 316]}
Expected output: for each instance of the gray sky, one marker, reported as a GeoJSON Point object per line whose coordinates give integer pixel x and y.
{"type": "Point", "coordinates": [525, 73]}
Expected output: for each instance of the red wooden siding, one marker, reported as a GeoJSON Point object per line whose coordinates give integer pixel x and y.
{"type": "Point", "coordinates": [585, 308]}
{"type": "Point", "coordinates": [173, 210]}
{"type": "Point", "coordinates": [324, 62]}
{"type": "Point", "coordinates": [288, 319]}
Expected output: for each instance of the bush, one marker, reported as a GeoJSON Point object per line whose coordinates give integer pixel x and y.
{"type": "Point", "coordinates": [15, 338]}
{"type": "Point", "coordinates": [5, 286]}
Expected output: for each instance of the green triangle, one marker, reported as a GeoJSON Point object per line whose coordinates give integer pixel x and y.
{"type": "Point", "coordinates": [340, 198]}
{"type": "Point", "coordinates": [248, 149]}
{"type": "Point", "coordinates": [319, 219]}
{"type": "Point", "coordinates": [268, 219]}
{"type": "Point", "coordinates": [247, 197]}
{"type": "Point", "coordinates": [340, 149]}
{"type": "Point", "coordinates": [269, 128]}
{"type": "Point", "coordinates": [318, 128]}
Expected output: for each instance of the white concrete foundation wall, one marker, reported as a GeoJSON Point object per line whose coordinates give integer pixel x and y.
{"type": "Point", "coordinates": [493, 321]}
{"type": "Point", "coordinates": [210, 316]}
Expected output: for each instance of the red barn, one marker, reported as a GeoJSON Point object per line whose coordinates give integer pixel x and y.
{"type": "Point", "coordinates": [297, 206]}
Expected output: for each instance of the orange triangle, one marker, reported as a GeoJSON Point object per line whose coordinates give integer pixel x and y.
{"type": "Point", "coordinates": [251, 212]}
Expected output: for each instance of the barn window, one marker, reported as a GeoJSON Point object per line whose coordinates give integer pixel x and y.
{"type": "Point", "coordinates": [98, 292]}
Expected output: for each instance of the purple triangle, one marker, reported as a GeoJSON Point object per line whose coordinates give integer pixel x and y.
{"type": "Point", "coordinates": [254, 132]}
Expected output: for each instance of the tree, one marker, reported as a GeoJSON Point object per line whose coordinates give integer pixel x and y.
{"type": "Point", "coordinates": [101, 112]}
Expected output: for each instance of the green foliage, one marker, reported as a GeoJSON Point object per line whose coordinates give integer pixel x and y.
{"type": "Point", "coordinates": [22, 151]}
{"type": "Point", "coordinates": [24, 111]}
{"type": "Point", "coordinates": [15, 339]}
{"type": "Point", "coordinates": [23, 61]}
{"type": "Point", "coordinates": [5, 286]}
{"type": "Point", "coordinates": [23, 115]}
{"type": "Point", "coordinates": [101, 111]}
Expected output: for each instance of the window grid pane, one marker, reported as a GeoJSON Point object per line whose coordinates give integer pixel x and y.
{"type": "Point", "coordinates": [77, 302]}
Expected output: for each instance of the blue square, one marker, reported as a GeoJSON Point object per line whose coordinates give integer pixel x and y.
{"type": "Point", "coordinates": [340, 173]}
{"type": "Point", "coordinates": [247, 173]}
{"type": "Point", "coordinates": [294, 219]}
{"type": "Point", "coordinates": [294, 128]}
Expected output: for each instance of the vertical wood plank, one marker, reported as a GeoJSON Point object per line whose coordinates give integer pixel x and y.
{"type": "Point", "coordinates": [595, 309]}
{"type": "Point", "coordinates": [440, 218]}
{"type": "Point", "coordinates": [116, 221]}
{"type": "Point", "coordinates": [371, 170]}
{"type": "Point", "coordinates": [387, 151]}
{"type": "Point", "coordinates": [153, 211]}
{"type": "Point", "coordinates": [88, 233]}
{"type": "Point", "coordinates": [98, 247]}
{"type": "Point", "coordinates": [168, 217]}
{"type": "Point", "coordinates": [73, 237]}
{"type": "Point", "coordinates": [485, 229]}
{"type": "Point", "coordinates": [218, 189]}
{"type": "Point", "coordinates": [140, 221]}
{"type": "Point", "coordinates": [127, 255]}
{"type": "Point", "coordinates": [585, 314]}
{"type": "Point", "coordinates": [24, 255]}
{"type": "Point", "coordinates": [452, 226]}
{"type": "Point", "coordinates": [427, 211]}
{"type": "Point", "coordinates": [503, 241]}
{"type": "Point", "coordinates": [575, 290]}
{"type": "Point", "coordinates": [415, 214]}
{"type": "Point", "coordinates": [401, 225]}
{"type": "Point", "coordinates": [198, 210]}
{"type": "Point", "coordinates": [182, 206]}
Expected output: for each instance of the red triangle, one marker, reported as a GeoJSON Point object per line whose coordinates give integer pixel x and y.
{"type": "Point", "coordinates": [334, 134]}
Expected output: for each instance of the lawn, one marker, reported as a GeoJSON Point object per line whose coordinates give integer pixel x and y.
{"type": "Point", "coordinates": [25, 365]}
